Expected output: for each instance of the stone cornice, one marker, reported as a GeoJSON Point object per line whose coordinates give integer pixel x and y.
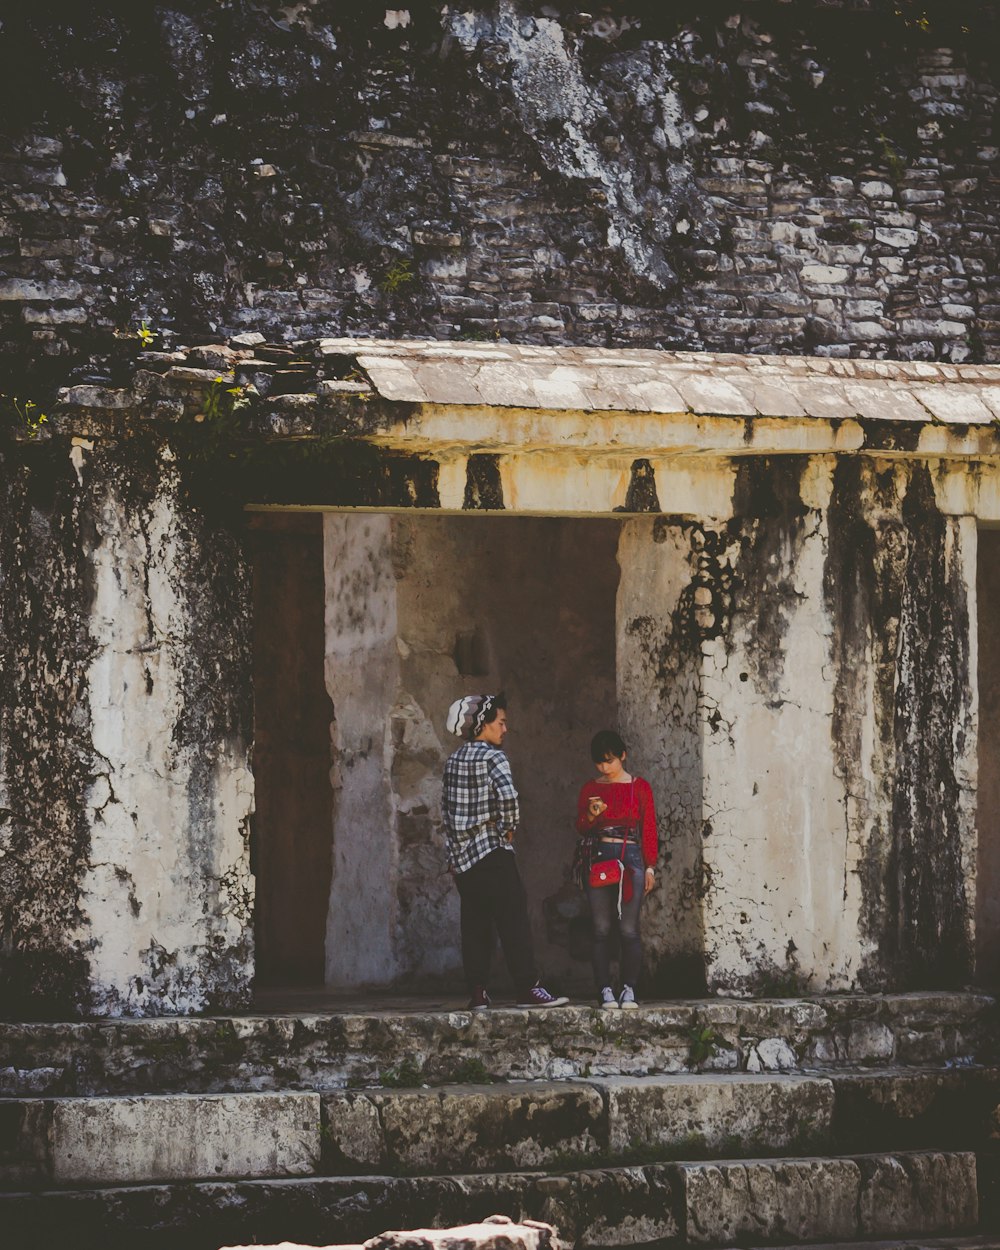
{"type": "Point", "coordinates": [434, 397]}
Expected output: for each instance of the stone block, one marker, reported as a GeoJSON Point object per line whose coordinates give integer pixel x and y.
{"type": "Point", "coordinates": [497, 1232]}
{"type": "Point", "coordinates": [463, 1127]}
{"type": "Point", "coordinates": [39, 289]}
{"type": "Point", "coordinates": [736, 1113]}
{"type": "Point", "coordinates": [917, 1194]}
{"type": "Point", "coordinates": [955, 403]}
{"type": "Point", "coordinates": [774, 1200]}
{"type": "Point", "coordinates": [825, 274]}
{"type": "Point", "coordinates": [179, 1137]}
{"type": "Point", "coordinates": [886, 1109]}
{"type": "Point", "coordinates": [714, 396]}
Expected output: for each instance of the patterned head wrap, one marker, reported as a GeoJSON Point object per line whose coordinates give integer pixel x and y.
{"type": "Point", "coordinates": [467, 716]}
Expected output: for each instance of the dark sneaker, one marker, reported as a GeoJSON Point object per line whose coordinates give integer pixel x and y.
{"type": "Point", "coordinates": [480, 1000]}
{"type": "Point", "coordinates": [608, 1000]}
{"type": "Point", "coordinates": [539, 996]}
{"type": "Point", "coordinates": [626, 999]}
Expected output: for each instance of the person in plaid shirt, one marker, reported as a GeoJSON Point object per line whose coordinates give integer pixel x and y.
{"type": "Point", "coordinates": [481, 813]}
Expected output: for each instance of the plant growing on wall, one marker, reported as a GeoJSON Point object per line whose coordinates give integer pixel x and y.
{"type": "Point", "coordinates": [24, 415]}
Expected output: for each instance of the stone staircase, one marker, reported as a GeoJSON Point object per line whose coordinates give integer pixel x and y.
{"type": "Point", "coordinates": [713, 1123]}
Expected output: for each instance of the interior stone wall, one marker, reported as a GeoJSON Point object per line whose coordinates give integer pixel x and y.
{"type": "Point", "coordinates": [813, 177]}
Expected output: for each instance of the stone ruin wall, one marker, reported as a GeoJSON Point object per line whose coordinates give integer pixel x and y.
{"type": "Point", "coordinates": [126, 883]}
{"type": "Point", "coordinates": [742, 179]}
{"type": "Point", "coordinates": [815, 177]}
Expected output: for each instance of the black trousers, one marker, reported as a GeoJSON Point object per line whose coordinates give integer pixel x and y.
{"type": "Point", "coordinates": [494, 902]}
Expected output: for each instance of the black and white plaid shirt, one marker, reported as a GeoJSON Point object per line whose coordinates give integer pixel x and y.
{"type": "Point", "coordinates": [479, 804]}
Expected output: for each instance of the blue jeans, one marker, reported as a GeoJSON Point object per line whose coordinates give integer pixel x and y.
{"type": "Point", "coordinates": [604, 913]}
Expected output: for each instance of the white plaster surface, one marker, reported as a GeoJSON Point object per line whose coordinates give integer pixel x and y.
{"type": "Point", "coordinates": [362, 678]}
{"type": "Point", "coordinates": [168, 884]}
{"type": "Point", "coordinates": [179, 1137]}
{"type": "Point", "coordinates": [778, 851]}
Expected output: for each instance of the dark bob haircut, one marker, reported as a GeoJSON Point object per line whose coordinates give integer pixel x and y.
{"type": "Point", "coordinates": [499, 705]}
{"type": "Point", "coordinates": [604, 743]}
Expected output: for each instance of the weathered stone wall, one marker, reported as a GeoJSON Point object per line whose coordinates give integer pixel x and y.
{"type": "Point", "coordinates": [808, 177]}
{"type": "Point", "coordinates": [810, 661]}
{"type": "Point", "coordinates": [124, 738]}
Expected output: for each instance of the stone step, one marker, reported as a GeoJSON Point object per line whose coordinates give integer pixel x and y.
{"type": "Point", "coordinates": [764, 1201]}
{"type": "Point", "coordinates": [879, 1109]}
{"type": "Point", "coordinates": [533, 1125]}
{"type": "Point", "coordinates": [142, 1139]}
{"type": "Point", "coordinates": [323, 1051]}
{"type": "Point", "coordinates": [64, 1142]}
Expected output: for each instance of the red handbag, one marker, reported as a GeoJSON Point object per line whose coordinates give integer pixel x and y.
{"type": "Point", "coordinates": [606, 872]}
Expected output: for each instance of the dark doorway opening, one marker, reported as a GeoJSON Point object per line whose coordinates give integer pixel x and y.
{"type": "Point", "coordinates": [988, 818]}
{"type": "Point", "coordinates": [292, 715]}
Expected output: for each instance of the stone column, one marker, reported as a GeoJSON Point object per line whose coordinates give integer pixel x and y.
{"type": "Point", "coordinates": [838, 713]}
{"type": "Point", "coordinates": [362, 679]}
{"type": "Point", "coordinates": [658, 667]}
{"type": "Point", "coordinates": [798, 682]}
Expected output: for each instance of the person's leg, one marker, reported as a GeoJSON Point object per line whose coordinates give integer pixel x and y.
{"type": "Point", "coordinates": [476, 924]}
{"type": "Point", "coordinates": [509, 912]}
{"type": "Point", "coordinates": [603, 904]}
{"type": "Point", "coordinates": [631, 941]}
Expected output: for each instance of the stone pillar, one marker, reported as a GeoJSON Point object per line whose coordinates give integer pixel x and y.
{"type": "Point", "coordinates": [362, 679]}
{"type": "Point", "coordinates": [781, 897]}
{"type": "Point", "coordinates": [798, 682]}
{"type": "Point", "coordinates": [125, 885]}
{"type": "Point", "coordinates": [658, 674]}
{"type": "Point", "coordinates": [168, 882]}
{"type": "Point", "coordinates": [838, 713]}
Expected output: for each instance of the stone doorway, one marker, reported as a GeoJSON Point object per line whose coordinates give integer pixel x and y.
{"type": "Point", "coordinates": [367, 626]}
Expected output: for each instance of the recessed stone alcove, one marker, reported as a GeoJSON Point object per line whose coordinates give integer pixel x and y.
{"type": "Point", "coordinates": [357, 837]}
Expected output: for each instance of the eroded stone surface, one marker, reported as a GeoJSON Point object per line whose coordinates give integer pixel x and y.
{"type": "Point", "coordinates": [732, 1114]}
{"type": "Point", "coordinates": [800, 1199]}
{"type": "Point", "coordinates": [465, 1128]}
{"type": "Point", "coordinates": [115, 1141]}
{"type": "Point", "coordinates": [495, 1233]}
{"type": "Point", "coordinates": [602, 1207]}
{"type": "Point", "coordinates": [330, 1050]}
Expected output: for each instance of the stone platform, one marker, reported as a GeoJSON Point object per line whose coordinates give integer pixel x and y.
{"type": "Point", "coordinates": [705, 1123]}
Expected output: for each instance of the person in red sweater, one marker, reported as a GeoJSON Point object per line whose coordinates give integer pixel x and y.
{"type": "Point", "coordinates": [615, 813]}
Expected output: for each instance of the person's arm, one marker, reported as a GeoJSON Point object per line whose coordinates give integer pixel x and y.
{"type": "Point", "coordinates": [502, 782]}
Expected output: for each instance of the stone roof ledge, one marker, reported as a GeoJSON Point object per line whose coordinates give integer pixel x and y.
{"type": "Point", "coordinates": [423, 395]}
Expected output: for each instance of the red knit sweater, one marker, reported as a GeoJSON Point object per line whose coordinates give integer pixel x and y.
{"type": "Point", "coordinates": [629, 803]}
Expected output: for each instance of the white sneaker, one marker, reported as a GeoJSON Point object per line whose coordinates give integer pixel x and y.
{"type": "Point", "coordinates": [608, 1000]}
{"type": "Point", "coordinates": [626, 999]}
